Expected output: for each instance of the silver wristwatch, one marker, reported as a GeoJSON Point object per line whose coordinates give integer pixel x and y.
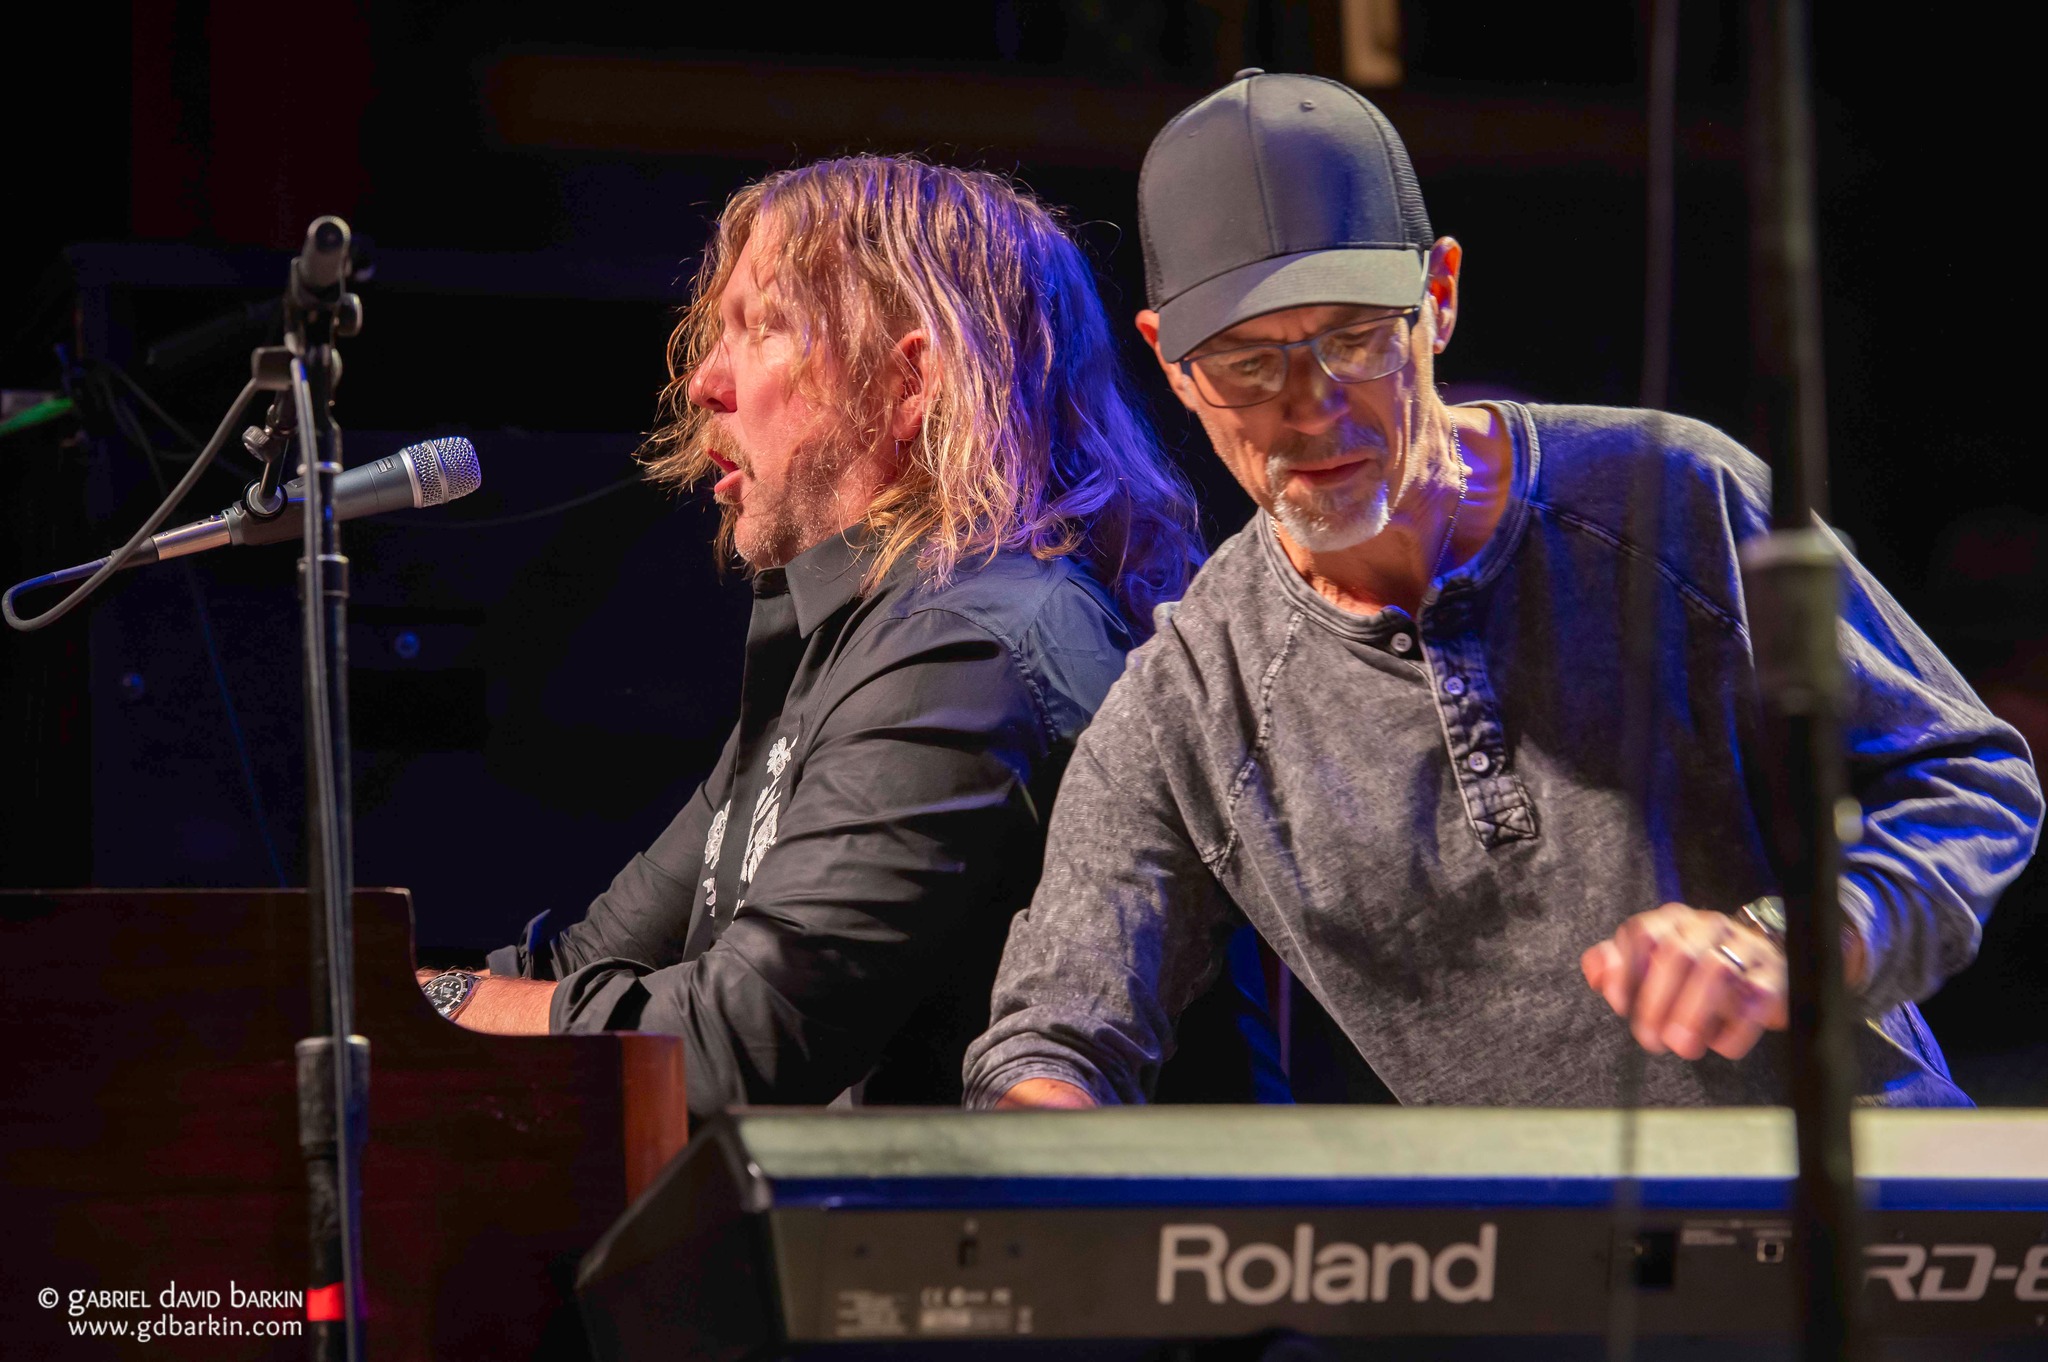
{"type": "Point", "coordinates": [1766, 915]}
{"type": "Point", "coordinates": [450, 990]}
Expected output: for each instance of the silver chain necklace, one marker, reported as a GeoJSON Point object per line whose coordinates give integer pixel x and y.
{"type": "Point", "coordinates": [1451, 526]}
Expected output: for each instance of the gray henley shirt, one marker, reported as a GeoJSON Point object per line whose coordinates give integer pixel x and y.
{"type": "Point", "coordinates": [1431, 819]}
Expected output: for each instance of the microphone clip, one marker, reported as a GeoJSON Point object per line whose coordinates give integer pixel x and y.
{"type": "Point", "coordinates": [317, 303]}
{"type": "Point", "coordinates": [264, 499]}
{"type": "Point", "coordinates": [263, 503]}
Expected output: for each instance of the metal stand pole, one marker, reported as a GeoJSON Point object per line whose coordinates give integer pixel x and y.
{"type": "Point", "coordinates": [1792, 579]}
{"type": "Point", "coordinates": [333, 1069]}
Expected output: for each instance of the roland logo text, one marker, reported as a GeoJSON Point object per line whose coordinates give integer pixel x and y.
{"type": "Point", "coordinates": [1201, 1259]}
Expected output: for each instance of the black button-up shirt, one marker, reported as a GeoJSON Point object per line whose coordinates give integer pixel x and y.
{"type": "Point", "coordinates": [830, 905]}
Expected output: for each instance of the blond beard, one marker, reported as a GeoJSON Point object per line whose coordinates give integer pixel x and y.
{"type": "Point", "coordinates": [800, 516]}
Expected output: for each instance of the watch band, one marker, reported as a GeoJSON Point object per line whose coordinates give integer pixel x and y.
{"type": "Point", "coordinates": [449, 991]}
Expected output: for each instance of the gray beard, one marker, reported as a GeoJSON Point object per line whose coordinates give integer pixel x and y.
{"type": "Point", "coordinates": [1326, 522]}
{"type": "Point", "coordinates": [1328, 525]}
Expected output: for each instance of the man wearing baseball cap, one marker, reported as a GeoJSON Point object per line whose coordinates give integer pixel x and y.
{"type": "Point", "coordinates": [1390, 724]}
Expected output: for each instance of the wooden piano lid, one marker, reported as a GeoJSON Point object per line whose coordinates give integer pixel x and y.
{"type": "Point", "coordinates": [148, 1127]}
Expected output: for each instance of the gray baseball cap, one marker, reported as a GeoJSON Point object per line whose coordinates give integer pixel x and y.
{"type": "Point", "coordinates": [1277, 191]}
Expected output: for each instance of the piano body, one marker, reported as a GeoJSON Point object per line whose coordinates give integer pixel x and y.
{"type": "Point", "coordinates": [148, 1132]}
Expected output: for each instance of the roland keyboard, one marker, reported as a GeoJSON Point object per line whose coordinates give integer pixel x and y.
{"type": "Point", "coordinates": [1374, 1232]}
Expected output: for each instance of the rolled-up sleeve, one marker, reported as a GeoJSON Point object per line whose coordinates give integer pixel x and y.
{"type": "Point", "coordinates": [912, 809]}
{"type": "Point", "coordinates": [1950, 798]}
{"type": "Point", "coordinates": [1128, 925]}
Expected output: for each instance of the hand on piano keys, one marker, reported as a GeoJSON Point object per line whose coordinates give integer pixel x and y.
{"type": "Point", "coordinates": [1691, 981]}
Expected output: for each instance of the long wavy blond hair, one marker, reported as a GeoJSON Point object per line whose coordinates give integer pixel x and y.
{"type": "Point", "coordinates": [1031, 438]}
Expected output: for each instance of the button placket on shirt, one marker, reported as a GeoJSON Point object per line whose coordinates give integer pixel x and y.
{"type": "Point", "coordinates": [1496, 803]}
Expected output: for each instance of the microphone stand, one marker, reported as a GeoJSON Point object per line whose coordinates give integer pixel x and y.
{"type": "Point", "coordinates": [1792, 579]}
{"type": "Point", "coordinates": [333, 1069]}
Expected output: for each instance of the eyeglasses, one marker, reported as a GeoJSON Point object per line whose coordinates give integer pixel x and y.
{"type": "Point", "coordinates": [1356, 352]}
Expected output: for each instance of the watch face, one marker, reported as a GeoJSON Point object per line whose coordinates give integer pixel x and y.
{"type": "Point", "coordinates": [449, 991]}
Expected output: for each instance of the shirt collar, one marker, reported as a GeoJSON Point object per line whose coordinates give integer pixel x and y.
{"type": "Point", "coordinates": [1447, 598]}
{"type": "Point", "coordinates": [824, 577]}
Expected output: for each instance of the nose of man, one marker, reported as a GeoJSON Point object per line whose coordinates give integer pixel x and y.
{"type": "Point", "coordinates": [710, 385]}
{"type": "Point", "coordinates": [1312, 401]}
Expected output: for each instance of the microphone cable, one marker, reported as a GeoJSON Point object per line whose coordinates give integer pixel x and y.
{"type": "Point", "coordinates": [130, 428]}
{"type": "Point", "coordinates": [114, 562]}
{"type": "Point", "coordinates": [137, 436]}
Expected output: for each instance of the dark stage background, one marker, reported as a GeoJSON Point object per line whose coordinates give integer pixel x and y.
{"type": "Point", "coordinates": [536, 689]}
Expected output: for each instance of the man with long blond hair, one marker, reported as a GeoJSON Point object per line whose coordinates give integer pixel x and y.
{"type": "Point", "coordinates": [900, 379]}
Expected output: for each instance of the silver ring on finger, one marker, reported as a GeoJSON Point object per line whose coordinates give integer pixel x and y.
{"type": "Point", "coordinates": [1741, 965]}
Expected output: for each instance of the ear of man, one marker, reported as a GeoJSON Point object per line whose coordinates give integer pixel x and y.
{"type": "Point", "coordinates": [1148, 327]}
{"type": "Point", "coordinates": [1446, 259]}
{"type": "Point", "coordinates": [911, 402]}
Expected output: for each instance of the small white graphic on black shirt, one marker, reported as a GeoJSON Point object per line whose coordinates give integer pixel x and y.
{"type": "Point", "coordinates": [761, 830]}
{"type": "Point", "coordinates": [762, 827]}
{"type": "Point", "coordinates": [714, 842]}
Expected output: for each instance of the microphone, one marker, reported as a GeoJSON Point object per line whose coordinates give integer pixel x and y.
{"type": "Point", "coordinates": [425, 474]}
